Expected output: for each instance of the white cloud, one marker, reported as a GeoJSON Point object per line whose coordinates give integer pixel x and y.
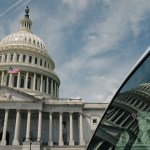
{"type": "Point", "coordinates": [76, 4]}
{"type": "Point", "coordinates": [102, 36]}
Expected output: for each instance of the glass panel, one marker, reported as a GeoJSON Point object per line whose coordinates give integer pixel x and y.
{"type": "Point", "coordinates": [126, 123]}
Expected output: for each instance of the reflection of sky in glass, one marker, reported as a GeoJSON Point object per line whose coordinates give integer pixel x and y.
{"type": "Point", "coordinates": [142, 75]}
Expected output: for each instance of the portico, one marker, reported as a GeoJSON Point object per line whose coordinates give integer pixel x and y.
{"type": "Point", "coordinates": [28, 116]}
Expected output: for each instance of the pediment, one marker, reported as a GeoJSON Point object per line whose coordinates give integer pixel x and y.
{"type": "Point", "coordinates": [10, 94]}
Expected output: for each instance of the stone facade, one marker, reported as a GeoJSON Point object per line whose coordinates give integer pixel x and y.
{"type": "Point", "coordinates": [32, 116]}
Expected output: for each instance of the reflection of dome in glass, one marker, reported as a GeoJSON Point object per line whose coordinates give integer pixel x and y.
{"type": "Point", "coordinates": [125, 119]}
{"type": "Point", "coordinates": [24, 37]}
{"type": "Point", "coordinates": [145, 87]}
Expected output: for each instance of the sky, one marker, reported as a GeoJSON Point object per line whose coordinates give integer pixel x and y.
{"type": "Point", "coordinates": [94, 43]}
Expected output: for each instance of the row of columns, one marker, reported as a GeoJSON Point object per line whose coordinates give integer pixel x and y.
{"type": "Point", "coordinates": [15, 59]}
{"type": "Point", "coordinates": [71, 140]}
{"type": "Point", "coordinates": [54, 88]}
{"type": "Point", "coordinates": [17, 127]}
{"type": "Point", "coordinates": [60, 142]}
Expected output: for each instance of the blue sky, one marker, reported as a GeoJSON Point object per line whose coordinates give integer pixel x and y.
{"type": "Point", "coordinates": [94, 43]}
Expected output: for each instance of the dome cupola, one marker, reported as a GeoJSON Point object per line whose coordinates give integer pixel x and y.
{"type": "Point", "coordinates": [24, 36]}
{"type": "Point", "coordinates": [26, 22]}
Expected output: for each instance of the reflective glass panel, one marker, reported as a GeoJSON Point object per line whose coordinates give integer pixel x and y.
{"type": "Point", "coordinates": [126, 123]}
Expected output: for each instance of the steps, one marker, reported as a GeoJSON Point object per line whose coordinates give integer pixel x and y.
{"type": "Point", "coordinates": [11, 147]}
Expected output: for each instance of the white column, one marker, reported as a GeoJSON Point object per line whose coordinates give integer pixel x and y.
{"type": "Point", "coordinates": [18, 80]}
{"type": "Point", "coordinates": [47, 85]}
{"type": "Point", "coordinates": [8, 57]}
{"type": "Point", "coordinates": [71, 141]}
{"type": "Point", "coordinates": [21, 58]}
{"type": "Point", "coordinates": [55, 89]}
{"type": "Point", "coordinates": [51, 87]}
{"type": "Point", "coordinates": [28, 126]}
{"type": "Point", "coordinates": [3, 141]}
{"type": "Point", "coordinates": [3, 57]}
{"type": "Point", "coordinates": [50, 129]}
{"type": "Point", "coordinates": [58, 91]}
{"type": "Point", "coordinates": [27, 59]}
{"type": "Point", "coordinates": [10, 80]}
{"type": "Point", "coordinates": [2, 79]}
{"type": "Point", "coordinates": [34, 81]}
{"type": "Point", "coordinates": [60, 129]}
{"type": "Point", "coordinates": [17, 129]}
{"type": "Point", "coordinates": [14, 57]}
{"type": "Point", "coordinates": [81, 141]}
{"type": "Point", "coordinates": [41, 86]}
{"type": "Point", "coordinates": [39, 126]}
{"type": "Point", "coordinates": [26, 80]}
{"type": "Point", "coordinates": [33, 60]}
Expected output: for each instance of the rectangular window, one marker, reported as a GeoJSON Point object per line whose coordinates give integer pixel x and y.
{"type": "Point", "coordinates": [15, 81]}
{"type": "Point", "coordinates": [40, 62]}
{"type": "Point", "coordinates": [22, 82]}
{"type": "Point", "coordinates": [17, 57]}
{"type": "Point", "coordinates": [35, 60]}
{"type": "Point", "coordinates": [11, 57]}
{"type": "Point", "coordinates": [0, 58]}
{"type": "Point", "coordinates": [7, 82]}
{"type": "Point", "coordinates": [94, 121]}
{"type": "Point", "coordinates": [29, 82]}
{"type": "Point", "coordinates": [30, 59]}
{"type": "Point", "coordinates": [24, 58]}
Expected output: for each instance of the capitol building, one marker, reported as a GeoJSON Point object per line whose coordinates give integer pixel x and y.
{"type": "Point", "coordinates": [32, 116]}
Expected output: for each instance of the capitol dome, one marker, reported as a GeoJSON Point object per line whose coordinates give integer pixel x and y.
{"type": "Point", "coordinates": [26, 65]}
{"type": "Point", "coordinates": [24, 36]}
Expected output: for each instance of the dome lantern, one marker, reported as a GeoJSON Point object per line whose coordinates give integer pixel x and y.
{"type": "Point", "coordinates": [26, 22]}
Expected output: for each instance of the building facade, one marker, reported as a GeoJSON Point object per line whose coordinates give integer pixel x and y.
{"type": "Point", "coordinates": [32, 116]}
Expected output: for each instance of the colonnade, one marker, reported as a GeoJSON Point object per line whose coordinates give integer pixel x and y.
{"type": "Point", "coordinates": [39, 130]}
{"type": "Point", "coordinates": [26, 58]}
{"type": "Point", "coordinates": [29, 80]}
